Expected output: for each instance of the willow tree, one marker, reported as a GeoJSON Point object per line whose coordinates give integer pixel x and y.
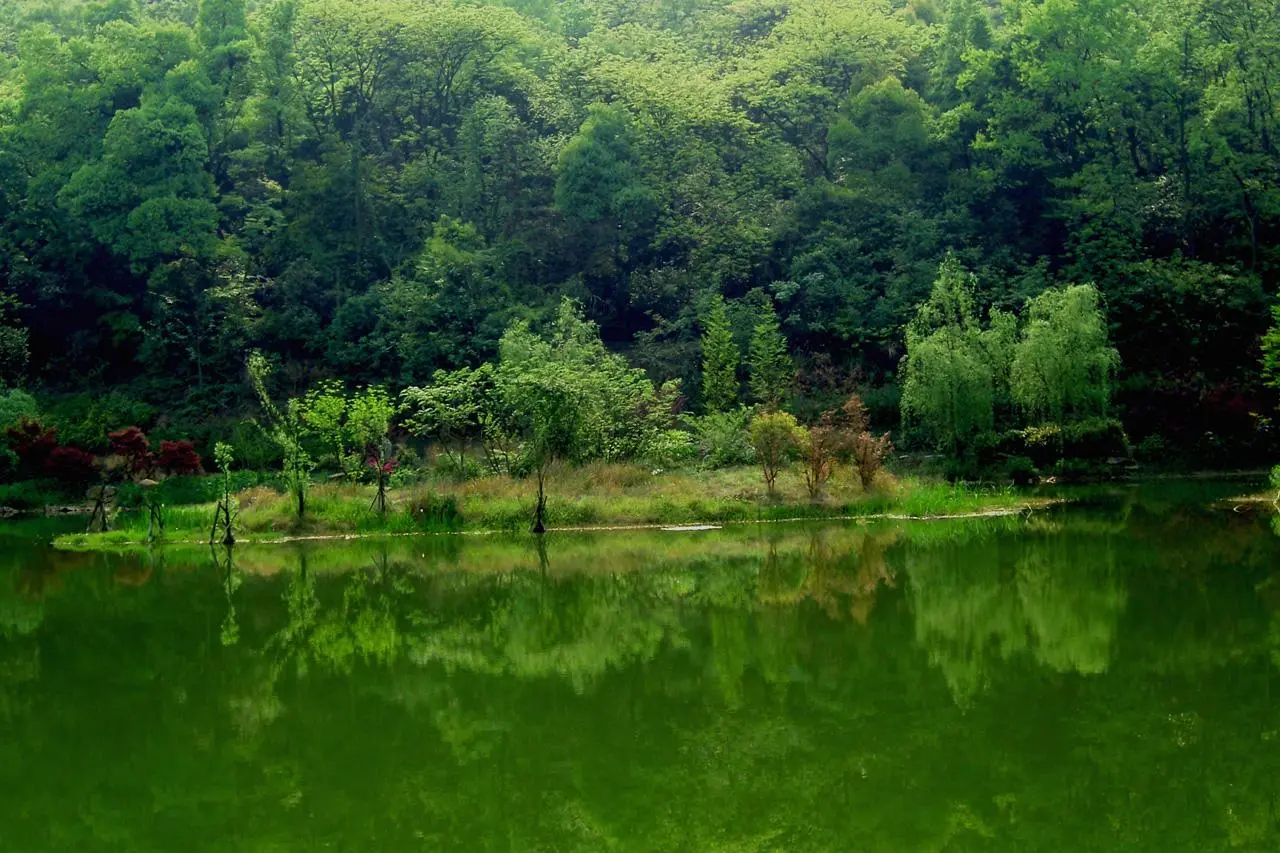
{"type": "Point", "coordinates": [948, 389]}
{"type": "Point", "coordinates": [1063, 364]}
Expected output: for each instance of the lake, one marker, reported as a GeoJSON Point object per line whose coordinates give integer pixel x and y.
{"type": "Point", "coordinates": [1101, 676]}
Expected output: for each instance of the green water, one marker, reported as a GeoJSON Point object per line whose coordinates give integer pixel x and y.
{"type": "Point", "coordinates": [1102, 677]}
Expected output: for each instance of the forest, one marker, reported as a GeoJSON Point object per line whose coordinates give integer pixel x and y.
{"type": "Point", "coordinates": [976, 216]}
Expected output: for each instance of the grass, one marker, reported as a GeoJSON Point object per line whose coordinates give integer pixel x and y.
{"type": "Point", "coordinates": [591, 496]}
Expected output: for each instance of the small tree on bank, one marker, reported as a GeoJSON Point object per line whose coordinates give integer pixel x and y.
{"type": "Point", "coordinates": [224, 515]}
{"type": "Point", "coordinates": [776, 437]}
{"type": "Point", "coordinates": [286, 429]}
{"type": "Point", "coordinates": [323, 411]}
{"type": "Point", "coordinates": [842, 435]}
{"type": "Point", "coordinates": [568, 397]}
{"type": "Point", "coordinates": [867, 451]}
{"type": "Point", "coordinates": [369, 415]}
{"type": "Point", "coordinates": [449, 410]}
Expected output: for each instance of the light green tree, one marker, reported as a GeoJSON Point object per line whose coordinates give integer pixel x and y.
{"type": "Point", "coordinates": [323, 410]}
{"type": "Point", "coordinates": [720, 357]}
{"type": "Point", "coordinates": [1063, 364]}
{"type": "Point", "coordinates": [776, 438]}
{"type": "Point", "coordinates": [948, 384]}
{"type": "Point", "coordinates": [772, 369]}
{"type": "Point", "coordinates": [287, 430]}
{"type": "Point", "coordinates": [224, 516]}
{"type": "Point", "coordinates": [450, 410]}
{"type": "Point", "coordinates": [369, 414]}
{"type": "Point", "coordinates": [569, 397]}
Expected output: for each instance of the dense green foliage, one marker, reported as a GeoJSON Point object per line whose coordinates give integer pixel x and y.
{"type": "Point", "coordinates": [374, 190]}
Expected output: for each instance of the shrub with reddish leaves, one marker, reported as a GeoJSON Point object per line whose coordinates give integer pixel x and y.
{"type": "Point", "coordinates": [179, 458]}
{"type": "Point", "coordinates": [32, 443]}
{"type": "Point", "coordinates": [132, 444]}
{"type": "Point", "coordinates": [382, 467]}
{"type": "Point", "coordinates": [71, 467]}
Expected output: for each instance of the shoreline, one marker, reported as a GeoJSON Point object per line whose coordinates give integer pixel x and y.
{"type": "Point", "coordinates": [98, 542]}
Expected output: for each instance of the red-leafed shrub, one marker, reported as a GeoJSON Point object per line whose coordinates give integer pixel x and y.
{"type": "Point", "coordinates": [383, 467]}
{"type": "Point", "coordinates": [71, 467]}
{"type": "Point", "coordinates": [132, 444]}
{"type": "Point", "coordinates": [32, 443]}
{"type": "Point", "coordinates": [179, 457]}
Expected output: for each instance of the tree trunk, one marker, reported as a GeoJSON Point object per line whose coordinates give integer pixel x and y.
{"type": "Point", "coordinates": [540, 511]}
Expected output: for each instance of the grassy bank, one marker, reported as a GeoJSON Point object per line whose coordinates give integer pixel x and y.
{"type": "Point", "coordinates": [596, 495]}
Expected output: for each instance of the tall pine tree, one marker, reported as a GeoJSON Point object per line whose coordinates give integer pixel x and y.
{"type": "Point", "coordinates": [720, 359]}
{"type": "Point", "coordinates": [771, 367]}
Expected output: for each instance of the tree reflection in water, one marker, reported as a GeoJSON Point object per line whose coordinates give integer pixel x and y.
{"type": "Point", "coordinates": [1085, 680]}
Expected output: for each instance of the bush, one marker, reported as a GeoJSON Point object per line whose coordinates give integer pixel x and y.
{"type": "Point", "coordinates": [31, 442]}
{"type": "Point", "coordinates": [457, 469]}
{"type": "Point", "coordinates": [8, 464]}
{"type": "Point", "coordinates": [721, 438]}
{"type": "Point", "coordinates": [1080, 470]}
{"type": "Point", "coordinates": [1096, 438]}
{"type": "Point", "coordinates": [438, 512]}
{"type": "Point", "coordinates": [869, 452]}
{"type": "Point", "coordinates": [669, 448]}
{"type": "Point", "coordinates": [16, 406]}
{"type": "Point", "coordinates": [132, 445]}
{"type": "Point", "coordinates": [1021, 470]}
{"type": "Point", "coordinates": [253, 447]}
{"type": "Point", "coordinates": [187, 490]}
{"type": "Point", "coordinates": [72, 468]}
{"type": "Point", "coordinates": [1153, 448]}
{"type": "Point", "coordinates": [30, 494]}
{"type": "Point", "coordinates": [84, 420]}
{"type": "Point", "coordinates": [1043, 445]}
{"type": "Point", "coordinates": [179, 458]}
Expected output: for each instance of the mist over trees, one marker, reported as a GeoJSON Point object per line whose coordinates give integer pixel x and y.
{"type": "Point", "coordinates": [378, 190]}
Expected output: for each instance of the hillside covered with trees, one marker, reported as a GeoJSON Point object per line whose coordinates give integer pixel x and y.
{"type": "Point", "coordinates": [377, 190]}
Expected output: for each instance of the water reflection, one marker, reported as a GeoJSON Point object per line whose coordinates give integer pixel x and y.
{"type": "Point", "coordinates": [1082, 680]}
{"type": "Point", "coordinates": [981, 602]}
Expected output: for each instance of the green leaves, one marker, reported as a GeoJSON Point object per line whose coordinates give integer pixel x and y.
{"type": "Point", "coordinates": [1271, 350]}
{"type": "Point", "coordinates": [1058, 371]}
{"type": "Point", "coordinates": [572, 398]}
{"type": "Point", "coordinates": [776, 438]}
{"type": "Point", "coordinates": [720, 358]}
{"type": "Point", "coordinates": [596, 175]}
{"type": "Point", "coordinates": [148, 196]}
{"type": "Point", "coordinates": [948, 388]}
{"type": "Point", "coordinates": [1063, 366]}
{"type": "Point", "coordinates": [772, 370]}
